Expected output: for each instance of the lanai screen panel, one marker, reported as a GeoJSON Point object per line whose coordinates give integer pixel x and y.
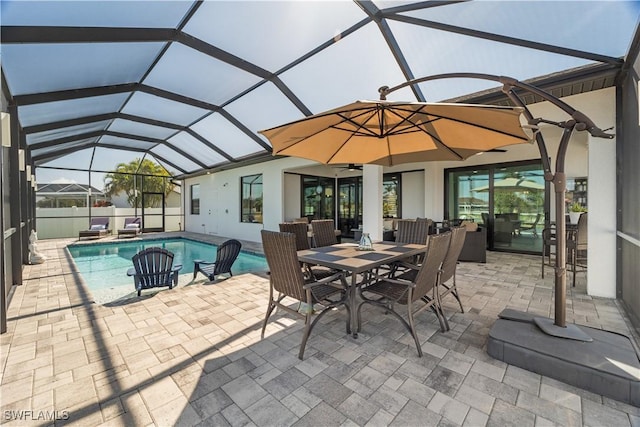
{"type": "Point", "coordinates": [171, 155]}
{"type": "Point", "coordinates": [220, 131]}
{"type": "Point", "coordinates": [54, 67]}
{"type": "Point", "coordinates": [430, 52]}
{"type": "Point", "coordinates": [600, 27]}
{"type": "Point", "coordinates": [351, 69]}
{"type": "Point", "coordinates": [137, 128]}
{"type": "Point", "coordinates": [49, 112]}
{"type": "Point", "coordinates": [47, 151]}
{"type": "Point", "coordinates": [263, 108]}
{"type": "Point", "coordinates": [187, 72]}
{"type": "Point", "coordinates": [69, 131]}
{"type": "Point", "coordinates": [273, 34]}
{"type": "Point", "coordinates": [195, 147]}
{"type": "Point", "coordinates": [126, 142]}
{"type": "Point", "coordinates": [206, 76]}
{"type": "Point", "coordinates": [162, 109]}
{"type": "Point", "coordinates": [130, 14]}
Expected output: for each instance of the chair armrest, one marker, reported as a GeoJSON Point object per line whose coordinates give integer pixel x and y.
{"type": "Point", "coordinates": [326, 280]}
{"type": "Point", "coordinates": [199, 261]}
{"type": "Point", "coordinates": [398, 282]}
{"type": "Point", "coordinates": [131, 271]}
{"type": "Point", "coordinates": [377, 277]}
{"type": "Point", "coordinates": [176, 268]}
{"type": "Point", "coordinates": [408, 265]}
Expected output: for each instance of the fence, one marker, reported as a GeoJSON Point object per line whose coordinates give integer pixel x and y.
{"type": "Point", "coordinates": [54, 223]}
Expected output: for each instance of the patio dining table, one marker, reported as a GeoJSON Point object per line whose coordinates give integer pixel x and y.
{"type": "Point", "coordinates": [347, 257]}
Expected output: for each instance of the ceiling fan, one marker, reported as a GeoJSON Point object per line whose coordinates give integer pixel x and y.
{"type": "Point", "coordinates": [351, 167]}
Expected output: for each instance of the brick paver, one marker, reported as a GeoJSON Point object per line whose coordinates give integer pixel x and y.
{"type": "Point", "coordinates": [193, 355]}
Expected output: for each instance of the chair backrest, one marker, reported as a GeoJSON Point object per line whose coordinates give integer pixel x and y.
{"type": "Point", "coordinates": [301, 230]}
{"type": "Point", "coordinates": [485, 218]}
{"type": "Point", "coordinates": [99, 220]}
{"type": "Point", "coordinates": [302, 219]}
{"type": "Point", "coordinates": [450, 262]}
{"type": "Point", "coordinates": [285, 272]}
{"type": "Point", "coordinates": [582, 234]}
{"type": "Point", "coordinates": [129, 221]}
{"type": "Point", "coordinates": [226, 256]}
{"type": "Point", "coordinates": [153, 266]}
{"type": "Point", "coordinates": [323, 232]}
{"type": "Point", "coordinates": [410, 231]}
{"type": "Point", "coordinates": [430, 227]}
{"type": "Point", "coordinates": [538, 216]}
{"type": "Point", "coordinates": [427, 276]}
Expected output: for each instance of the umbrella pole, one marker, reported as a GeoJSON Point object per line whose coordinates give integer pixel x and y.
{"type": "Point", "coordinates": [560, 185]}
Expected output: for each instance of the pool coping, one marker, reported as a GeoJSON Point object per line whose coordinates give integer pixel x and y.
{"type": "Point", "coordinates": [102, 242]}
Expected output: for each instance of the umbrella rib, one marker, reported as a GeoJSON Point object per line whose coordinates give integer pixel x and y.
{"type": "Point", "coordinates": [358, 127]}
{"type": "Point", "coordinates": [336, 126]}
{"type": "Point", "coordinates": [439, 116]}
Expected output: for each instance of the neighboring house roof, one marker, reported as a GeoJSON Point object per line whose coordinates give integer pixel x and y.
{"type": "Point", "coordinates": [67, 189]}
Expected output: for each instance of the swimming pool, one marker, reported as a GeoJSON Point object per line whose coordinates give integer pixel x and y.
{"type": "Point", "coordinates": [104, 265]}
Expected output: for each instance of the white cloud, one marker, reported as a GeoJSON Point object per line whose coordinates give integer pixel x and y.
{"type": "Point", "coordinates": [63, 180]}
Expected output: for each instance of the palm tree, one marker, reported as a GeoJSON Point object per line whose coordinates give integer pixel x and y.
{"type": "Point", "coordinates": [136, 177]}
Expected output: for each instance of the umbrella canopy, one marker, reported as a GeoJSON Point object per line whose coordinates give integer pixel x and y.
{"type": "Point", "coordinates": [514, 184]}
{"type": "Point", "coordinates": [388, 133]}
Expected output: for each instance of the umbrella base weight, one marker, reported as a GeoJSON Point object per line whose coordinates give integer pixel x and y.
{"type": "Point", "coordinates": [570, 332]}
{"type": "Point", "coordinates": [515, 338]}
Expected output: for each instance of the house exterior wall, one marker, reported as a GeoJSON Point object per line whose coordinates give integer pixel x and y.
{"type": "Point", "coordinates": [429, 186]}
{"type": "Point", "coordinates": [413, 186]}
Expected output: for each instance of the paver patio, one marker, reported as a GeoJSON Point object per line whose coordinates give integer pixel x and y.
{"type": "Point", "coordinates": [193, 356]}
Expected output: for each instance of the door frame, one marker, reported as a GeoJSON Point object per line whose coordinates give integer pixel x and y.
{"type": "Point", "coordinates": [146, 229]}
{"type": "Point", "coordinates": [492, 168]}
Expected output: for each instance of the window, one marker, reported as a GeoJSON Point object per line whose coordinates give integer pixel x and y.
{"type": "Point", "coordinates": [317, 197]}
{"type": "Point", "coordinates": [251, 209]}
{"type": "Point", "coordinates": [195, 199]}
{"type": "Point", "coordinates": [391, 204]}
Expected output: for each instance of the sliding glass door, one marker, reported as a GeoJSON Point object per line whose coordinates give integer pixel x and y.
{"type": "Point", "coordinates": [508, 199]}
{"type": "Point", "coordinates": [317, 197]}
{"type": "Point", "coordinates": [349, 204]}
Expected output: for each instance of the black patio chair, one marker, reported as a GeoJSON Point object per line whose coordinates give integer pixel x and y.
{"type": "Point", "coordinates": [324, 233]}
{"type": "Point", "coordinates": [152, 268]}
{"type": "Point", "coordinates": [225, 257]}
{"type": "Point", "coordinates": [412, 232]}
{"type": "Point", "coordinates": [301, 231]}
{"type": "Point", "coordinates": [424, 287]}
{"type": "Point", "coordinates": [577, 242]}
{"type": "Point", "coordinates": [286, 278]}
{"type": "Point", "coordinates": [530, 226]}
{"type": "Point", "coordinates": [450, 264]}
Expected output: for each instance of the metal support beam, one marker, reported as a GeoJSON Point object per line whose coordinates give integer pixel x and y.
{"type": "Point", "coordinates": [505, 39]}
{"type": "Point", "coordinates": [50, 34]}
{"type": "Point", "coordinates": [15, 194]}
{"type": "Point", "coordinates": [376, 15]}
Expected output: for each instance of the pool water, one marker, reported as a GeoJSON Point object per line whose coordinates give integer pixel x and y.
{"type": "Point", "coordinates": [105, 265]}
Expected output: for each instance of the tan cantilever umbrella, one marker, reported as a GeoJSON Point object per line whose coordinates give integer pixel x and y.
{"type": "Point", "coordinates": [388, 133]}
